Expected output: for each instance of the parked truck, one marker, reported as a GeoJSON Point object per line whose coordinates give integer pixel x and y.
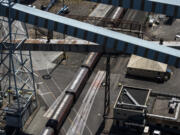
{"type": "Point", "coordinates": [156, 132]}
{"type": "Point", "coordinates": [143, 67]}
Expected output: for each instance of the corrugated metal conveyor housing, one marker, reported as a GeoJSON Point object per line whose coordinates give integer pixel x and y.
{"type": "Point", "coordinates": [74, 47]}
{"type": "Point", "coordinates": [110, 40]}
{"type": "Point", "coordinates": [167, 7]}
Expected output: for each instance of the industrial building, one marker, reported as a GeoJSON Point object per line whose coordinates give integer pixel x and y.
{"type": "Point", "coordinates": [89, 67]}
{"type": "Point", "coordinates": [131, 107]}
{"type": "Point", "coordinates": [136, 108]}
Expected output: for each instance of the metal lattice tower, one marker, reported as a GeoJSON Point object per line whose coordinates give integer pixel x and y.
{"type": "Point", "coordinates": [17, 86]}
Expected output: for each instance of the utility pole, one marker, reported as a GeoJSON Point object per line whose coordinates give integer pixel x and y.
{"type": "Point", "coordinates": [107, 87]}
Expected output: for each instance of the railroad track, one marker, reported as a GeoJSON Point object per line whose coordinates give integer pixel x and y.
{"type": "Point", "coordinates": [78, 125]}
{"type": "Point", "coordinates": [117, 19]}
{"type": "Point", "coordinates": [72, 93]}
{"type": "Point", "coordinates": [75, 88]}
{"type": "Point", "coordinates": [105, 21]}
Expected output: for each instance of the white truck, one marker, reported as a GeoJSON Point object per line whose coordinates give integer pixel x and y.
{"type": "Point", "coordinates": [143, 67]}
{"type": "Point", "coordinates": [146, 131]}
{"type": "Point", "coordinates": [156, 132]}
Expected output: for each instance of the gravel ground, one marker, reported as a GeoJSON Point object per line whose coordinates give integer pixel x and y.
{"type": "Point", "coordinates": [76, 7]}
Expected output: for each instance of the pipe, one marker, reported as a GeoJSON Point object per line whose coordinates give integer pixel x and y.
{"type": "Point", "coordinates": [131, 105]}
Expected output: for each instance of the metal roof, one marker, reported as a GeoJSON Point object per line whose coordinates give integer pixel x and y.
{"type": "Point", "coordinates": [168, 7]}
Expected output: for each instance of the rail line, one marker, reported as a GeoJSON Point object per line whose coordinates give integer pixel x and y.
{"type": "Point", "coordinates": [78, 125]}
{"type": "Point", "coordinates": [72, 93]}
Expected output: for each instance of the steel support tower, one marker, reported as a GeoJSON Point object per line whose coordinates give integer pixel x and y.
{"type": "Point", "coordinates": [17, 86]}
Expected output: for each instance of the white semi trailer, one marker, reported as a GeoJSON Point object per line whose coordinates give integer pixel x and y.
{"type": "Point", "coordinates": [143, 67]}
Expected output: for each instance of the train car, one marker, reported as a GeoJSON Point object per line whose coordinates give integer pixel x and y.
{"type": "Point", "coordinates": [118, 13]}
{"type": "Point", "coordinates": [59, 116]}
{"type": "Point", "coordinates": [72, 93]}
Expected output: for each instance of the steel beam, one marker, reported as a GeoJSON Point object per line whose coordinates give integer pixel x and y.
{"type": "Point", "coordinates": [130, 97]}
{"type": "Point", "coordinates": [62, 47]}
{"type": "Point", "coordinates": [110, 40]}
{"type": "Point", "coordinates": [70, 46]}
{"type": "Point", "coordinates": [167, 7]}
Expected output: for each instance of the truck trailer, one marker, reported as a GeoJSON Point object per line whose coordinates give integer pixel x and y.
{"type": "Point", "coordinates": [146, 68]}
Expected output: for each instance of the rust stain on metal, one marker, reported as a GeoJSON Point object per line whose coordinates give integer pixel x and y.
{"type": "Point", "coordinates": [34, 41]}
{"type": "Point", "coordinates": [44, 41]}
{"type": "Point", "coordinates": [74, 42]}
{"type": "Point", "coordinates": [60, 41]}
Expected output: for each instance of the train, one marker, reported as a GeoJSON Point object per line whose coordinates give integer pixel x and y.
{"type": "Point", "coordinates": [74, 89]}
{"type": "Point", "coordinates": [118, 14]}
{"type": "Point", "coordinates": [72, 93]}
